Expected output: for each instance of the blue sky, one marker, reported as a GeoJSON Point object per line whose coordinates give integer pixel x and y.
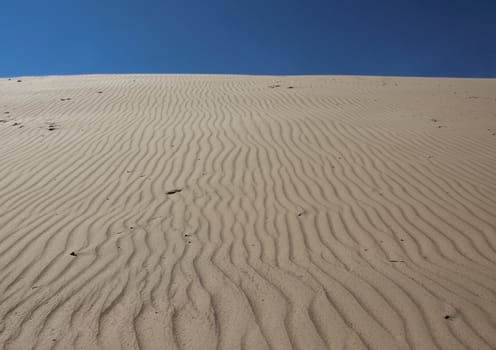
{"type": "Point", "coordinates": [414, 37]}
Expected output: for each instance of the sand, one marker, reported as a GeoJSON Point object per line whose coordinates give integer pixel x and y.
{"type": "Point", "coordinates": [247, 212]}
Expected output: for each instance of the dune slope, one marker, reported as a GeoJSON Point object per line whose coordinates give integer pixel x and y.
{"type": "Point", "coordinates": [237, 212]}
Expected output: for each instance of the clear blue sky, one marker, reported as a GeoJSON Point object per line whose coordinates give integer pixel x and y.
{"type": "Point", "coordinates": [388, 37]}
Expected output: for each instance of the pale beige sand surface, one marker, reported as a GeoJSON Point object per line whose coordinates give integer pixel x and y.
{"type": "Point", "coordinates": [308, 213]}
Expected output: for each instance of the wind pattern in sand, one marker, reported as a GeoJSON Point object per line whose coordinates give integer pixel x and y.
{"type": "Point", "coordinates": [236, 212]}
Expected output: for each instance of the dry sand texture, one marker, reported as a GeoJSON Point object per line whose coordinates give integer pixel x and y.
{"type": "Point", "coordinates": [237, 212]}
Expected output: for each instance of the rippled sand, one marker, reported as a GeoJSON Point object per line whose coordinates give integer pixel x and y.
{"type": "Point", "coordinates": [245, 212]}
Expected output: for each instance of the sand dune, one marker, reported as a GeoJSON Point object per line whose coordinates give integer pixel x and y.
{"type": "Point", "coordinates": [238, 212]}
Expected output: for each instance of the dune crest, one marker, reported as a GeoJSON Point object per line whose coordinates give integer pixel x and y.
{"type": "Point", "coordinates": [243, 212]}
